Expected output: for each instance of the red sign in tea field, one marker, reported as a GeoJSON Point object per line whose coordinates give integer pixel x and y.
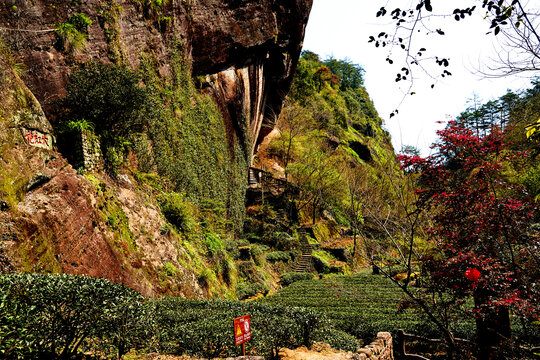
{"type": "Point", "coordinates": [242, 329]}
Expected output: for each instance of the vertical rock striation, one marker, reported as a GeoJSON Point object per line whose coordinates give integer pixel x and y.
{"type": "Point", "coordinates": [251, 71]}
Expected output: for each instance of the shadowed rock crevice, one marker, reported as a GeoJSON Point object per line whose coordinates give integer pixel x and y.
{"type": "Point", "coordinates": [361, 150]}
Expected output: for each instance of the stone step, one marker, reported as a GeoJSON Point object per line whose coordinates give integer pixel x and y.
{"type": "Point", "coordinates": [303, 264]}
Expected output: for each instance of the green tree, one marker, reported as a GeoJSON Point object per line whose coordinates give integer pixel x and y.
{"type": "Point", "coordinates": [350, 75]}
{"type": "Point", "coordinates": [303, 85]}
{"type": "Point", "coordinates": [109, 96]}
{"type": "Point", "coordinates": [293, 121]}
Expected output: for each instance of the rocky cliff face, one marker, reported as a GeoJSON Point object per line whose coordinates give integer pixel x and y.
{"type": "Point", "coordinates": [244, 54]}
{"type": "Point", "coordinates": [248, 49]}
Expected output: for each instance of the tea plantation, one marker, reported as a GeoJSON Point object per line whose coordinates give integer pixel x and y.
{"type": "Point", "coordinates": [361, 305]}
{"type": "Point", "coordinates": [58, 316]}
{"type": "Point", "coordinates": [52, 316]}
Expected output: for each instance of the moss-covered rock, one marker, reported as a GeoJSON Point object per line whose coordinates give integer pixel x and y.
{"type": "Point", "coordinates": [325, 230]}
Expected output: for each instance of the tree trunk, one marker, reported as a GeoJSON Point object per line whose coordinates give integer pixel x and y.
{"type": "Point", "coordinates": [354, 246]}
{"type": "Point", "coordinates": [314, 214]}
{"type": "Point", "coordinates": [492, 328]}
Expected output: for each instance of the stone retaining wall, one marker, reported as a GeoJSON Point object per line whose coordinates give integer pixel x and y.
{"type": "Point", "coordinates": [87, 152]}
{"type": "Point", "coordinates": [379, 349]}
{"type": "Point", "coordinates": [91, 151]}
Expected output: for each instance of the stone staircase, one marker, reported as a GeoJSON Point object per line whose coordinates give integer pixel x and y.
{"type": "Point", "coordinates": [253, 177]}
{"type": "Point", "coordinates": [303, 263]}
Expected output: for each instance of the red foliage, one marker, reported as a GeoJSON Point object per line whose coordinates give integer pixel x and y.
{"type": "Point", "coordinates": [482, 221]}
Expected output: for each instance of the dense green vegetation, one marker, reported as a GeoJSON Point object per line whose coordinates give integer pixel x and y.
{"type": "Point", "coordinates": [333, 149]}
{"type": "Point", "coordinates": [61, 315]}
{"type": "Point", "coordinates": [330, 134]}
{"type": "Point", "coordinates": [172, 129]}
{"type": "Point", "coordinates": [341, 178]}
{"type": "Point", "coordinates": [58, 316]}
{"type": "Point", "coordinates": [174, 142]}
{"type": "Point", "coordinates": [43, 315]}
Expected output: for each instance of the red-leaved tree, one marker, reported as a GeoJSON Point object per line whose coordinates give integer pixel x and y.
{"type": "Point", "coordinates": [487, 247]}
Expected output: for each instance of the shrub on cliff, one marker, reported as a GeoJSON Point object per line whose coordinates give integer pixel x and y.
{"type": "Point", "coordinates": [337, 339]}
{"type": "Point", "coordinates": [177, 210]}
{"type": "Point", "coordinates": [291, 277]}
{"type": "Point", "coordinates": [112, 100]}
{"type": "Point", "coordinates": [109, 96]}
{"type": "Point", "coordinates": [45, 315]}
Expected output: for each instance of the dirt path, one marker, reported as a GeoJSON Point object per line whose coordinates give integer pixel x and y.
{"type": "Point", "coordinates": [318, 352]}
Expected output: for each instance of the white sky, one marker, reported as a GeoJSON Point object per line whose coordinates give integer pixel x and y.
{"type": "Point", "coordinates": [341, 28]}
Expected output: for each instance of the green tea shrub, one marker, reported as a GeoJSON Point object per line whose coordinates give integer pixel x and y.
{"type": "Point", "coordinates": [46, 315]}
{"type": "Point", "coordinates": [244, 291]}
{"type": "Point", "coordinates": [205, 327]}
{"type": "Point", "coordinates": [337, 339]}
{"type": "Point", "coordinates": [360, 305]}
{"type": "Point", "coordinates": [290, 277]}
{"type": "Point", "coordinates": [276, 256]}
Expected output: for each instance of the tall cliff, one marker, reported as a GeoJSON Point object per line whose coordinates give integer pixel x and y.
{"type": "Point", "coordinates": [243, 54]}
{"type": "Point", "coordinates": [247, 49]}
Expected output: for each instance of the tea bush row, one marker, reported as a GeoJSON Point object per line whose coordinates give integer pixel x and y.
{"type": "Point", "coordinates": [244, 291]}
{"type": "Point", "coordinates": [58, 316]}
{"type": "Point", "coordinates": [291, 277]}
{"type": "Point", "coordinates": [360, 305]}
{"type": "Point", "coordinates": [55, 315]}
{"type": "Point", "coordinates": [276, 256]}
{"type": "Point", "coordinates": [206, 327]}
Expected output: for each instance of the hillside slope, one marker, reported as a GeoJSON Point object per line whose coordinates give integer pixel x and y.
{"type": "Point", "coordinates": [340, 179]}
